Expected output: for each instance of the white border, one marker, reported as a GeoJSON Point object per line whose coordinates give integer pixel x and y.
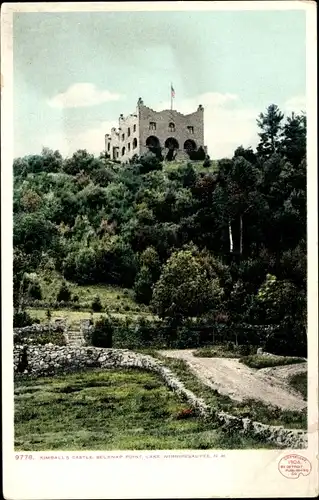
{"type": "Point", "coordinates": [237, 474]}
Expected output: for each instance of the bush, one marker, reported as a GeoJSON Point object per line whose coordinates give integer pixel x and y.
{"type": "Point", "coordinates": [96, 304]}
{"type": "Point", "coordinates": [34, 290]}
{"type": "Point", "coordinates": [75, 298]}
{"type": "Point", "coordinates": [143, 286]}
{"type": "Point", "coordinates": [102, 333]}
{"type": "Point", "coordinates": [207, 163]}
{"type": "Point", "coordinates": [22, 318]}
{"type": "Point", "coordinates": [64, 294]}
{"type": "Point", "coordinates": [245, 350]}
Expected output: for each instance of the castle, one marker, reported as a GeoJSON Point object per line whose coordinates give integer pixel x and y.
{"type": "Point", "coordinates": [167, 133]}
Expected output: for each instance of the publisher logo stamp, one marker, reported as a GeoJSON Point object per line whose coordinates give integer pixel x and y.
{"type": "Point", "coordinates": [294, 466]}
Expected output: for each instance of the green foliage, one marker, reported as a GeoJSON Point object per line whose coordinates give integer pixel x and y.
{"type": "Point", "coordinates": [34, 291]}
{"type": "Point", "coordinates": [257, 361]}
{"type": "Point", "coordinates": [64, 293]}
{"type": "Point", "coordinates": [143, 286]}
{"type": "Point", "coordinates": [270, 125]}
{"type": "Point", "coordinates": [188, 286]}
{"type": "Point", "coordinates": [22, 318]}
{"type": "Point", "coordinates": [97, 304]}
{"type": "Point", "coordinates": [102, 333]}
{"type": "Point", "coordinates": [92, 219]}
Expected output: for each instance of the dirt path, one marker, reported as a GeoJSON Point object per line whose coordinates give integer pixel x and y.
{"type": "Point", "coordinates": [238, 381]}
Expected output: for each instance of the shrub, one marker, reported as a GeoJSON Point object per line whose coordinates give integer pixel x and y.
{"type": "Point", "coordinates": [245, 350]}
{"type": "Point", "coordinates": [96, 304]}
{"type": "Point", "coordinates": [34, 290]}
{"type": "Point", "coordinates": [102, 333]}
{"type": "Point", "coordinates": [64, 294]}
{"type": "Point", "coordinates": [75, 298]}
{"type": "Point", "coordinates": [22, 318]}
{"type": "Point", "coordinates": [127, 307]}
{"type": "Point", "coordinates": [230, 346]}
{"type": "Point", "coordinates": [207, 163]}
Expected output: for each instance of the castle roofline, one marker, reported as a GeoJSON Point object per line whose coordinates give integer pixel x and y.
{"type": "Point", "coordinates": [173, 111]}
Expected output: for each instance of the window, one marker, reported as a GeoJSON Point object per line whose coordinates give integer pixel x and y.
{"type": "Point", "coordinates": [123, 137]}
{"type": "Point", "coordinates": [108, 146]}
{"type": "Point", "coordinates": [134, 128]}
{"type": "Point", "coordinates": [123, 151]}
{"type": "Point", "coordinates": [152, 126]}
{"type": "Point", "coordinates": [171, 127]}
{"type": "Point", "coordinates": [129, 147]}
{"type": "Point", "coordinates": [190, 129]}
{"type": "Point", "coordinates": [128, 132]}
{"type": "Point", "coordinates": [134, 143]}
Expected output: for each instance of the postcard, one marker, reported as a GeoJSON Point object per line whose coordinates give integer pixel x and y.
{"type": "Point", "coordinates": [159, 235]}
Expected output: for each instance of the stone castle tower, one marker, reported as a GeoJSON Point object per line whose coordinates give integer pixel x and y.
{"type": "Point", "coordinates": [168, 132]}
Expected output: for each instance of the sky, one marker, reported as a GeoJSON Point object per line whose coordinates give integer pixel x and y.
{"type": "Point", "coordinates": [75, 73]}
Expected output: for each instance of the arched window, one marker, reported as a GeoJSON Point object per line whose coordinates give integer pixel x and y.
{"type": "Point", "coordinates": [190, 129]}
{"type": "Point", "coordinates": [108, 146]}
{"type": "Point", "coordinates": [171, 127]}
{"type": "Point", "coordinates": [134, 143]}
{"type": "Point", "coordinates": [128, 132]}
{"type": "Point", "coordinates": [152, 126]}
{"type": "Point", "coordinates": [123, 151]}
{"type": "Point", "coordinates": [129, 147]}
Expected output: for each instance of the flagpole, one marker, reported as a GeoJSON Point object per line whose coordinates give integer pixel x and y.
{"type": "Point", "coordinates": [171, 97]}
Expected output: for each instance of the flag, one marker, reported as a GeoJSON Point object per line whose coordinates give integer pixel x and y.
{"type": "Point", "coordinates": [172, 91]}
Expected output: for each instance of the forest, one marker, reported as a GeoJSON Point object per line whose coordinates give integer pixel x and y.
{"type": "Point", "coordinates": [209, 249]}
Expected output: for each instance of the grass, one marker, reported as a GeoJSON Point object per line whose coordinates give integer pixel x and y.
{"type": "Point", "coordinates": [113, 298]}
{"type": "Point", "coordinates": [253, 409]}
{"type": "Point", "coordinates": [76, 316]}
{"type": "Point", "coordinates": [299, 383]}
{"type": "Point", "coordinates": [256, 361]}
{"type": "Point", "coordinates": [111, 410]}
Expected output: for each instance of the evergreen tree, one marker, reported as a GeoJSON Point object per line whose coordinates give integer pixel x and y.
{"type": "Point", "coordinates": [293, 145]}
{"type": "Point", "coordinates": [270, 126]}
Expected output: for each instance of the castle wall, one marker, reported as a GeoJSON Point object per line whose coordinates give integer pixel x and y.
{"type": "Point", "coordinates": [136, 131]}
{"type": "Point", "coordinates": [162, 120]}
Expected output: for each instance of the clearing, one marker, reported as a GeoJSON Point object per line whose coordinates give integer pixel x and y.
{"type": "Point", "coordinates": [234, 379]}
{"type": "Point", "coordinates": [112, 410]}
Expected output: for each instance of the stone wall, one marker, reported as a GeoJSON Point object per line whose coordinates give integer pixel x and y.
{"type": "Point", "coordinates": [49, 360]}
{"type": "Point", "coordinates": [29, 334]}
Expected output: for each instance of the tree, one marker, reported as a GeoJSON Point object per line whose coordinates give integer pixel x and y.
{"type": "Point", "coordinates": [81, 160]}
{"type": "Point", "coordinates": [188, 286]}
{"type": "Point", "coordinates": [294, 137]}
{"type": "Point", "coordinates": [246, 153]}
{"type": "Point", "coordinates": [271, 127]}
{"type": "Point", "coordinates": [64, 294]}
{"type": "Point", "coordinates": [143, 286]}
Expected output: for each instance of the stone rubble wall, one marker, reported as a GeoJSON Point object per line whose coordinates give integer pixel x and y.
{"type": "Point", "coordinates": [49, 360]}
